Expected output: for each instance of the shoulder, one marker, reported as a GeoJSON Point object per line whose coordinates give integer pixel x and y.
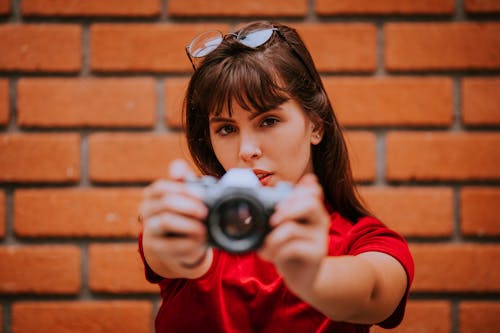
{"type": "Point", "coordinates": [347, 228]}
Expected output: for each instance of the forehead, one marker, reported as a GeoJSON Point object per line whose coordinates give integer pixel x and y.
{"type": "Point", "coordinates": [247, 82]}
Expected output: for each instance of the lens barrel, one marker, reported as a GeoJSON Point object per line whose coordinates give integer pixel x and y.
{"type": "Point", "coordinates": [237, 222]}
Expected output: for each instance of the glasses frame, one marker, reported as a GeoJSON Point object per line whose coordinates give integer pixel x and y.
{"type": "Point", "coordinates": [270, 26]}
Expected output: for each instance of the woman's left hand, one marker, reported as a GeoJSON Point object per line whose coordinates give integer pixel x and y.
{"type": "Point", "coordinates": [298, 241]}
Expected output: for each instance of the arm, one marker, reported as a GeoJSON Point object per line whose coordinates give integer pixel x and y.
{"type": "Point", "coordinates": [365, 288]}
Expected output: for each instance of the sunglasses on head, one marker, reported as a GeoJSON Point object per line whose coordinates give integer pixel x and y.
{"type": "Point", "coordinates": [253, 35]}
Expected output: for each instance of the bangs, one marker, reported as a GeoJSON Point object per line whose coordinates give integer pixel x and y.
{"type": "Point", "coordinates": [254, 85]}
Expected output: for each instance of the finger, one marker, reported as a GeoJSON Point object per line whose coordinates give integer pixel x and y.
{"type": "Point", "coordinates": [287, 232]}
{"type": "Point", "coordinates": [162, 187]}
{"type": "Point", "coordinates": [174, 226]}
{"type": "Point", "coordinates": [180, 170]}
{"type": "Point", "coordinates": [302, 207]}
{"type": "Point", "coordinates": [179, 248]}
{"type": "Point", "coordinates": [291, 245]}
{"type": "Point", "coordinates": [301, 250]}
{"type": "Point", "coordinates": [310, 185]}
{"type": "Point", "coordinates": [305, 204]}
{"type": "Point", "coordinates": [176, 204]}
{"type": "Point", "coordinates": [186, 248]}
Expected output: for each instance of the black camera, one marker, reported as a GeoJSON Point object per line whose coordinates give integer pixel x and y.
{"type": "Point", "coordinates": [239, 208]}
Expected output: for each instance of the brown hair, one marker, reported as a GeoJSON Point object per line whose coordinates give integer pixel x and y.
{"type": "Point", "coordinates": [259, 80]}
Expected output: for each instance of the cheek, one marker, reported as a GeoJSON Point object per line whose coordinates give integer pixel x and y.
{"type": "Point", "coordinates": [224, 152]}
{"type": "Point", "coordinates": [293, 151]}
{"type": "Point", "coordinates": [294, 141]}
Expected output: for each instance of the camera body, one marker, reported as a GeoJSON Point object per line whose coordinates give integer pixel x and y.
{"type": "Point", "coordinates": [239, 208]}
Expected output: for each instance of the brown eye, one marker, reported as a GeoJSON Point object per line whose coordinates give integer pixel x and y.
{"type": "Point", "coordinates": [269, 122]}
{"type": "Point", "coordinates": [225, 130]}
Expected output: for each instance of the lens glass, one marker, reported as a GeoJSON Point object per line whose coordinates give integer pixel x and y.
{"type": "Point", "coordinates": [255, 38]}
{"type": "Point", "coordinates": [237, 219]}
{"type": "Point", "coordinates": [205, 43]}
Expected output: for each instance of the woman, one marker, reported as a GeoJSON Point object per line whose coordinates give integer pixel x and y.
{"type": "Point", "coordinates": [256, 101]}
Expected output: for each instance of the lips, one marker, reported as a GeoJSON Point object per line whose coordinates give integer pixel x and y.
{"type": "Point", "coordinates": [264, 176]}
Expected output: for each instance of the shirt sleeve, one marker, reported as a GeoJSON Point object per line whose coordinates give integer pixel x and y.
{"type": "Point", "coordinates": [369, 234]}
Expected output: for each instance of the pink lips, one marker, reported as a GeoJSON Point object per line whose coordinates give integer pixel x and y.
{"type": "Point", "coordinates": [264, 176]}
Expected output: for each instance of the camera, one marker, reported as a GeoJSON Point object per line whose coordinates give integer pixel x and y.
{"type": "Point", "coordinates": [239, 208]}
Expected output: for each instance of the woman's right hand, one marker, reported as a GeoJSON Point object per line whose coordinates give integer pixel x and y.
{"type": "Point", "coordinates": [174, 235]}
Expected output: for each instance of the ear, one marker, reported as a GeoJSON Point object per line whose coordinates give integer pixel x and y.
{"type": "Point", "coordinates": [317, 133]}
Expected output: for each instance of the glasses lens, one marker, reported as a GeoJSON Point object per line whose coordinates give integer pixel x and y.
{"type": "Point", "coordinates": [255, 34]}
{"type": "Point", "coordinates": [205, 43]}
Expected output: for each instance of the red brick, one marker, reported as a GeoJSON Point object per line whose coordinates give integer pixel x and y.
{"type": "Point", "coordinates": [4, 9]}
{"type": "Point", "coordinates": [408, 101]}
{"type": "Point", "coordinates": [144, 47]}
{"type": "Point", "coordinates": [174, 92]}
{"type": "Point", "coordinates": [4, 102]}
{"type": "Point", "coordinates": [361, 101]}
{"type": "Point", "coordinates": [458, 268]}
{"type": "Point", "coordinates": [423, 316]}
{"type": "Point", "coordinates": [125, 8]}
{"type": "Point", "coordinates": [58, 212]}
{"type": "Point", "coordinates": [147, 156]}
{"type": "Point", "coordinates": [384, 7]}
{"type": "Point", "coordinates": [109, 261]}
{"type": "Point", "coordinates": [413, 211]}
{"type": "Point", "coordinates": [479, 316]}
{"type": "Point", "coordinates": [40, 269]}
{"type": "Point", "coordinates": [442, 156]}
{"type": "Point", "coordinates": [82, 316]}
{"type": "Point", "coordinates": [482, 6]}
{"type": "Point", "coordinates": [110, 102]}
{"type": "Point", "coordinates": [341, 47]}
{"type": "Point", "coordinates": [3, 210]}
{"type": "Point", "coordinates": [40, 47]}
{"type": "Point", "coordinates": [254, 8]}
{"type": "Point", "coordinates": [442, 46]}
{"type": "Point", "coordinates": [39, 157]}
{"type": "Point", "coordinates": [478, 211]}
{"type": "Point", "coordinates": [480, 101]}
{"type": "Point", "coordinates": [361, 147]}
{"type": "Point", "coordinates": [154, 153]}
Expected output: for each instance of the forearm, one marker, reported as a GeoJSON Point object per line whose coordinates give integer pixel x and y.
{"type": "Point", "coordinates": [347, 288]}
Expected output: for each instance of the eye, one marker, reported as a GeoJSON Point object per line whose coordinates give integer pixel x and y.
{"type": "Point", "coordinates": [225, 130]}
{"type": "Point", "coordinates": [269, 122]}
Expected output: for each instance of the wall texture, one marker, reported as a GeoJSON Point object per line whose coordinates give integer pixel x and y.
{"type": "Point", "coordinates": [90, 95]}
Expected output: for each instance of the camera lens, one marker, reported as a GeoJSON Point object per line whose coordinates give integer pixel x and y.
{"type": "Point", "coordinates": [237, 223]}
{"type": "Point", "coordinates": [236, 219]}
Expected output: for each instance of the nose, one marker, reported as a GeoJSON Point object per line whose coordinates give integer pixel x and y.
{"type": "Point", "coordinates": [249, 148]}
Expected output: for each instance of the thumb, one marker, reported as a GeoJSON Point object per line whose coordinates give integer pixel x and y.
{"type": "Point", "coordinates": [180, 170]}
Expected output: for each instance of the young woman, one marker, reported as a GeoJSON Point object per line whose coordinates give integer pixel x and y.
{"type": "Point", "coordinates": [256, 101]}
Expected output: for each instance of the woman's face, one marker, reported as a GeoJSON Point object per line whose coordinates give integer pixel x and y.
{"type": "Point", "coordinates": [275, 144]}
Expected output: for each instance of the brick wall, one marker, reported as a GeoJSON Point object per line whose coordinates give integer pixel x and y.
{"type": "Point", "coordinates": [90, 95]}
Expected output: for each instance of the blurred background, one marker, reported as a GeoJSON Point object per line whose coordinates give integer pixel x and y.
{"type": "Point", "coordinates": [90, 105]}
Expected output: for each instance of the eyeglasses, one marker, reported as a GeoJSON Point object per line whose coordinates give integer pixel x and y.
{"type": "Point", "coordinates": [253, 35]}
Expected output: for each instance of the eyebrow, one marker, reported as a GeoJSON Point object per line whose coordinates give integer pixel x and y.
{"type": "Point", "coordinates": [253, 115]}
{"type": "Point", "coordinates": [221, 120]}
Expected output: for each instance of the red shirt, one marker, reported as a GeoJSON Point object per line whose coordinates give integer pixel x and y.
{"type": "Point", "coordinates": [242, 293]}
